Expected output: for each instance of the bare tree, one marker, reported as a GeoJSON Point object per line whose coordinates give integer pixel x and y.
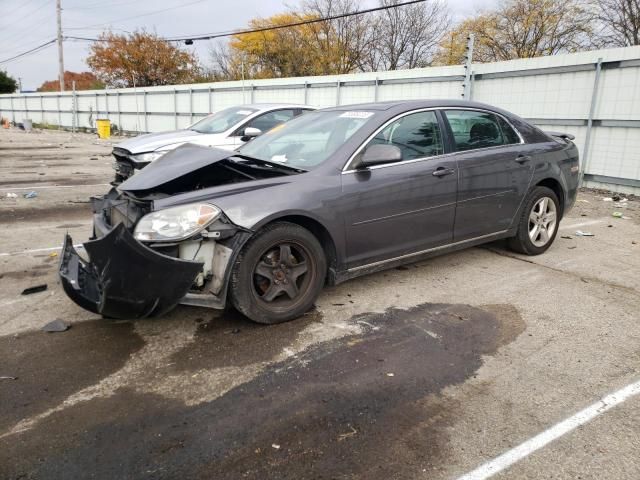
{"type": "Point", "coordinates": [345, 41]}
{"type": "Point", "coordinates": [223, 63]}
{"type": "Point", "coordinates": [620, 20]}
{"type": "Point", "coordinates": [522, 29]}
{"type": "Point", "coordinates": [408, 36]}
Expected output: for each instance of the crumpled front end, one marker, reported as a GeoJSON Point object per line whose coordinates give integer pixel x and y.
{"type": "Point", "coordinates": [123, 278]}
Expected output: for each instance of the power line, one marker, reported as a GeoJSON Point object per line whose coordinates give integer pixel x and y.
{"type": "Point", "coordinates": [88, 27]}
{"type": "Point", "coordinates": [94, 6]}
{"type": "Point", "coordinates": [31, 12]}
{"type": "Point", "coordinates": [237, 32]}
{"type": "Point", "coordinates": [6, 14]}
{"type": "Point", "coordinates": [28, 52]}
{"type": "Point", "coordinates": [212, 36]}
{"type": "Point", "coordinates": [298, 24]}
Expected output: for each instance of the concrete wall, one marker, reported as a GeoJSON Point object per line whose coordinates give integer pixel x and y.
{"type": "Point", "coordinates": [554, 92]}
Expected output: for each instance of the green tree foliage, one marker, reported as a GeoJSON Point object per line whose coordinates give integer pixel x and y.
{"type": "Point", "coordinates": [7, 84]}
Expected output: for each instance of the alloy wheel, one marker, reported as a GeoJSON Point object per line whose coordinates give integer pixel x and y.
{"type": "Point", "coordinates": [542, 221]}
{"type": "Point", "coordinates": [283, 273]}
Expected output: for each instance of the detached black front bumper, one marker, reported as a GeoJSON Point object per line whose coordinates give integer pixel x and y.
{"type": "Point", "coordinates": [123, 278]}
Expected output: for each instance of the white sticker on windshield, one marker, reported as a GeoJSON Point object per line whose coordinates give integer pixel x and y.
{"type": "Point", "coordinates": [244, 112]}
{"type": "Point", "coordinates": [279, 158]}
{"type": "Point", "coordinates": [355, 114]}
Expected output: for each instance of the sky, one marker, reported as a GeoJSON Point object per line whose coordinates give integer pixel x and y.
{"type": "Point", "coordinates": [25, 24]}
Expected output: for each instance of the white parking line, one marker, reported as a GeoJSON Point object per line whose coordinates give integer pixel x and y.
{"type": "Point", "coordinates": [36, 250]}
{"type": "Point", "coordinates": [523, 450]}
{"type": "Point", "coordinates": [578, 225]}
{"type": "Point", "coordinates": [8, 189]}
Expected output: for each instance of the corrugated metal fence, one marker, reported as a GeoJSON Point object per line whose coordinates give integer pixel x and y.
{"type": "Point", "coordinates": [594, 95]}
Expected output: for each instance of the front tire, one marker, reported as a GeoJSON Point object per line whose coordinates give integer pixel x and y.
{"type": "Point", "coordinates": [278, 274]}
{"type": "Point", "coordinates": [538, 225]}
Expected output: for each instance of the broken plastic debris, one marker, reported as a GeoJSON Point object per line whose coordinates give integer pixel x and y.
{"type": "Point", "coordinates": [56, 326]}
{"type": "Point", "coordinates": [607, 199]}
{"type": "Point", "coordinates": [276, 446]}
{"type": "Point", "coordinates": [35, 289]}
{"type": "Point", "coordinates": [12, 195]}
{"type": "Point", "coordinates": [53, 254]}
{"type": "Point", "coordinates": [390, 374]}
{"type": "Point", "coordinates": [617, 214]}
{"type": "Point", "coordinates": [31, 194]}
{"type": "Point", "coordinates": [8, 378]}
{"type": "Point", "coordinates": [580, 233]}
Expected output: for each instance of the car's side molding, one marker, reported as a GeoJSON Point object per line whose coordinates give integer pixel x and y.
{"type": "Point", "coordinates": [415, 256]}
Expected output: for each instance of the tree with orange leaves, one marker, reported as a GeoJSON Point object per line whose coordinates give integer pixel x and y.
{"type": "Point", "coordinates": [84, 81]}
{"type": "Point", "coordinates": [140, 59]}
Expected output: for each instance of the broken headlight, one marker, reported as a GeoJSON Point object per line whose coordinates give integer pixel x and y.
{"type": "Point", "coordinates": [176, 223]}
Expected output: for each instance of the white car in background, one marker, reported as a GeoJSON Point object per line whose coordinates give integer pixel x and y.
{"type": "Point", "coordinates": [227, 129]}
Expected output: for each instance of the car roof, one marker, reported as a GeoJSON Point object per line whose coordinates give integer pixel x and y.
{"type": "Point", "coordinates": [414, 104]}
{"type": "Point", "coordinates": [274, 106]}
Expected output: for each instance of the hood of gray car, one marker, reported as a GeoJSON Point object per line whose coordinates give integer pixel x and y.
{"type": "Point", "coordinates": [174, 164]}
{"type": "Point", "coordinates": [154, 141]}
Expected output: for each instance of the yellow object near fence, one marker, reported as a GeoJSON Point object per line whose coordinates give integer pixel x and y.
{"type": "Point", "coordinates": [104, 128]}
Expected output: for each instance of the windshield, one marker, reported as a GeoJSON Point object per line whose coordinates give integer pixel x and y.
{"type": "Point", "coordinates": [308, 140]}
{"type": "Point", "coordinates": [223, 120]}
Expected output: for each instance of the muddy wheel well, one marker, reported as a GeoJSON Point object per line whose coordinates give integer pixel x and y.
{"type": "Point", "coordinates": [554, 185]}
{"type": "Point", "coordinates": [323, 236]}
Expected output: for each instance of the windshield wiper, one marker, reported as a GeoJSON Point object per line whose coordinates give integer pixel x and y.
{"type": "Point", "coordinates": [272, 165]}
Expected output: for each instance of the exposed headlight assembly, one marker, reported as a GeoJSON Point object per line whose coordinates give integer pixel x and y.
{"type": "Point", "coordinates": [145, 158]}
{"type": "Point", "coordinates": [176, 223]}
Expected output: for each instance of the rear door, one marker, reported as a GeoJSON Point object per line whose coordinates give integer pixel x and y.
{"type": "Point", "coordinates": [494, 171]}
{"type": "Point", "coordinates": [399, 208]}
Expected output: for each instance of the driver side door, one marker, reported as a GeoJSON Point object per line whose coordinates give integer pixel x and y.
{"type": "Point", "coordinates": [402, 207]}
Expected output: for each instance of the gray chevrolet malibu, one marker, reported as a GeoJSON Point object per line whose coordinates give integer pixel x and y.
{"type": "Point", "coordinates": [324, 198]}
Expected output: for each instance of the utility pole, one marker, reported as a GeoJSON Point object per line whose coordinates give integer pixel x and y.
{"type": "Point", "coordinates": [468, 64]}
{"type": "Point", "coordinates": [60, 55]}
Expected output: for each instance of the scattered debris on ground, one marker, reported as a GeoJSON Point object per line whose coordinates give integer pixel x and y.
{"type": "Point", "coordinates": [34, 289]}
{"type": "Point", "coordinates": [31, 194]}
{"type": "Point", "coordinates": [56, 326]}
{"type": "Point", "coordinates": [580, 233]}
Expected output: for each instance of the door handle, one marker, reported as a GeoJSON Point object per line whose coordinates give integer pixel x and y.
{"type": "Point", "coordinates": [442, 171]}
{"type": "Point", "coordinates": [522, 159]}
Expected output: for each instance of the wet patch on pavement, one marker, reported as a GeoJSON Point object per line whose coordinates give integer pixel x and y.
{"type": "Point", "coordinates": [51, 366]}
{"type": "Point", "coordinates": [369, 405]}
{"type": "Point", "coordinates": [76, 211]}
{"type": "Point", "coordinates": [52, 181]}
{"type": "Point", "coordinates": [245, 342]}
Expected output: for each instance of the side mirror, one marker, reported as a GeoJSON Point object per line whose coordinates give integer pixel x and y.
{"type": "Point", "coordinates": [250, 133]}
{"type": "Point", "coordinates": [379, 154]}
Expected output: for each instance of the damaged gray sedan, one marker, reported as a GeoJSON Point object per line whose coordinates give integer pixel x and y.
{"type": "Point", "coordinates": [326, 197]}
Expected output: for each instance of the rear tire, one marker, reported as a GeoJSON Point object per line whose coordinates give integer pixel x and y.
{"type": "Point", "coordinates": [278, 274]}
{"type": "Point", "coordinates": [538, 224]}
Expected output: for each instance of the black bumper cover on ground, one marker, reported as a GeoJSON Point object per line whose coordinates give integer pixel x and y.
{"type": "Point", "coordinates": [123, 278]}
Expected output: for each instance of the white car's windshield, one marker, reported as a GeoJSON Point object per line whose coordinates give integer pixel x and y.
{"type": "Point", "coordinates": [223, 120]}
{"type": "Point", "coordinates": [308, 140]}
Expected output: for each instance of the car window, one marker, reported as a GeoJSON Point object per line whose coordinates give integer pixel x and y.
{"type": "Point", "coordinates": [223, 120]}
{"type": "Point", "coordinates": [474, 129]}
{"type": "Point", "coordinates": [416, 135]}
{"type": "Point", "coordinates": [309, 139]}
{"type": "Point", "coordinates": [269, 120]}
{"type": "Point", "coordinates": [508, 132]}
